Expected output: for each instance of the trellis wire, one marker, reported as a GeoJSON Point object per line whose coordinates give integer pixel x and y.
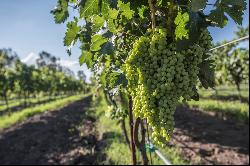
{"type": "Point", "coordinates": [231, 42]}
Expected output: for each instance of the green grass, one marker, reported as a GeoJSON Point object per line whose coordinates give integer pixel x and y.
{"type": "Point", "coordinates": [226, 91]}
{"type": "Point", "coordinates": [12, 104]}
{"type": "Point", "coordinates": [8, 120]}
{"type": "Point", "coordinates": [15, 103]}
{"type": "Point", "coordinates": [235, 109]}
{"type": "Point", "coordinates": [226, 102]}
{"type": "Point", "coordinates": [116, 149]}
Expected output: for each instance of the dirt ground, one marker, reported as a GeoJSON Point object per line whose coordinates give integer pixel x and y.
{"type": "Point", "coordinates": [206, 139]}
{"type": "Point", "coordinates": [65, 136]}
{"type": "Point", "coordinates": [68, 136]}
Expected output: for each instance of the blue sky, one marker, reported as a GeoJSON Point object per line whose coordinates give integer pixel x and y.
{"type": "Point", "coordinates": [27, 27]}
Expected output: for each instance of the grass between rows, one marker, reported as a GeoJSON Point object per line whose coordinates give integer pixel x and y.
{"type": "Point", "coordinates": [116, 149]}
{"type": "Point", "coordinates": [225, 102]}
{"type": "Point", "coordinates": [16, 103]}
{"type": "Point", "coordinates": [234, 109]}
{"type": "Point", "coordinates": [225, 91]}
{"type": "Point", "coordinates": [8, 120]}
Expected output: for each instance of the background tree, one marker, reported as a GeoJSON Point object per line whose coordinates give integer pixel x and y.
{"type": "Point", "coordinates": [7, 75]}
{"type": "Point", "coordinates": [232, 62]}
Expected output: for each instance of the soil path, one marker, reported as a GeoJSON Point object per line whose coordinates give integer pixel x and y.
{"type": "Point", "coordinates": [204, 138]}
{"type": "Point", "coordinates": [65, 136]}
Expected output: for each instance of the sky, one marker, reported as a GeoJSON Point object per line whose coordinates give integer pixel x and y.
{"type": "Point", "coordinates": [28, 28]}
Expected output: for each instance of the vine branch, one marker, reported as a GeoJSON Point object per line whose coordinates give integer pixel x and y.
{"type": "Point", "coordinates": [152, 9]}
{"type": "Point", "coordinates": [141, 144]}
{"type": "Point", "coordinates": [131, 121]}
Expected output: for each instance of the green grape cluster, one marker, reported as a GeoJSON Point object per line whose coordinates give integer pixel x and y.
{"type": "Point", "coordinates": [159, 76]}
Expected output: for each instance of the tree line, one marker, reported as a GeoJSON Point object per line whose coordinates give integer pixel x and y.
{"type": "Point", "coordinates": [46, 78]}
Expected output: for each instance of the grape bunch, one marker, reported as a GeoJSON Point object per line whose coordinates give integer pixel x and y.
{"type": "Point", "coordinates": [160, 76]}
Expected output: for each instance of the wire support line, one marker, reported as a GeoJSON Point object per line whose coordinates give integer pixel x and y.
{"type": "Point", "coordinates": [231, 42]}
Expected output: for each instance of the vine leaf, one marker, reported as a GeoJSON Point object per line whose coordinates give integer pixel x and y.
{"type": "Point", "coordinates": [113, 13]}
{"type": "Point", "coordinates": [162, 3]}
{"type": "Point", "coordinates": [218, 17]}
{"type": "Point", "coordinates": [86, 57]}
{"type": "Point", "coordinates": [107, 49]}
{"type": "Point", "coordinates": [181, 21]}
{"type": "Point", "coordinates": [71, 33]}
{"type": "Point", "coordinates": [125, 9]}
{"type": "Point", "coordinates": [141, 11]}
{"type": "Point", "coordinates": [96, 42]}
{"type": "Point", "coordinates": [235, 9]}
{"type": "Point", "coordinates": [89, 8]}
{"type": "Point", "coordinates": [197, 5]}
{"type": "Point", "coordinates": [195, 25]}
{"type": "Point", "coordinates": [98, 22]}
{"type": "Point", "coordinates": [103, 78]}
{"type": "Point", "coordinates": [86, 32]}
{"type": "Point", "coordinates": [111, 26]}
{"type": "Point", "coordinates": [111, 16]}
{"type": "Point", "coordinates": [117, 79]}
{"type": "Point", "coordinates": [206, 74]}
{"type": "Point", "coordinates": [73, 1]}
{"type": "Point", "coordinates": [61, 11]}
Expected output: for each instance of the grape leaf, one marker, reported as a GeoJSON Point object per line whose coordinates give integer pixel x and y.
{"type": "Point", "coordinates": [183, 2]}
{"type": "Point", "coordinates": [141, 11]}
{"type": "Point", "coordinates": [117, 79]}
{"type": "Point", "coordinates": [113, 13]}
{"type": "Point", "coordinates": [111, 26]}
{"type": "Point", "coordinates": [96, 42]}
{"type": "Point", "coordinates": [195, 25]}
{"type": "Point", "coordinates": [73, 1]}
{"type": "Point", "coordinates": [241, 3]}
{"type": "Point", "coordinates": [197, 5]}
{"type": "Point", "coordinates": [71, 33]}
{"type": "Point", "coordinates": [125, 10]}
{"type": "Point", "coordinates": [86, 33]}
{"type": "Point", "coordinates": [98, 22]}
{"type": "Point", "coordinates": [89, 8]}
{"type": "Point", "coordinates": [122, 80]}
{"type": "Point", "coordinates": [103, 79]}
{"type": "Point", "coordinates": [86, 57]}
{"type": "Point", "coordinates": [107, 61]}
{"type": "Point", "coordinates": [218, 17]}
{"type": "Point", "coordinates": [61, 11]}
{"type": "Point", "coordinates": [108, 34]}
{"type": "Point", "coordinates": [107, 49]}
{"type": "Point", "coordinates": [206, 74]}
{"type": "Point", "coordinates": [162, 3]}
{"type": "Point", "coordinates": [235, 9]}
{"type": "Point", "coordinates": [181, 21]}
